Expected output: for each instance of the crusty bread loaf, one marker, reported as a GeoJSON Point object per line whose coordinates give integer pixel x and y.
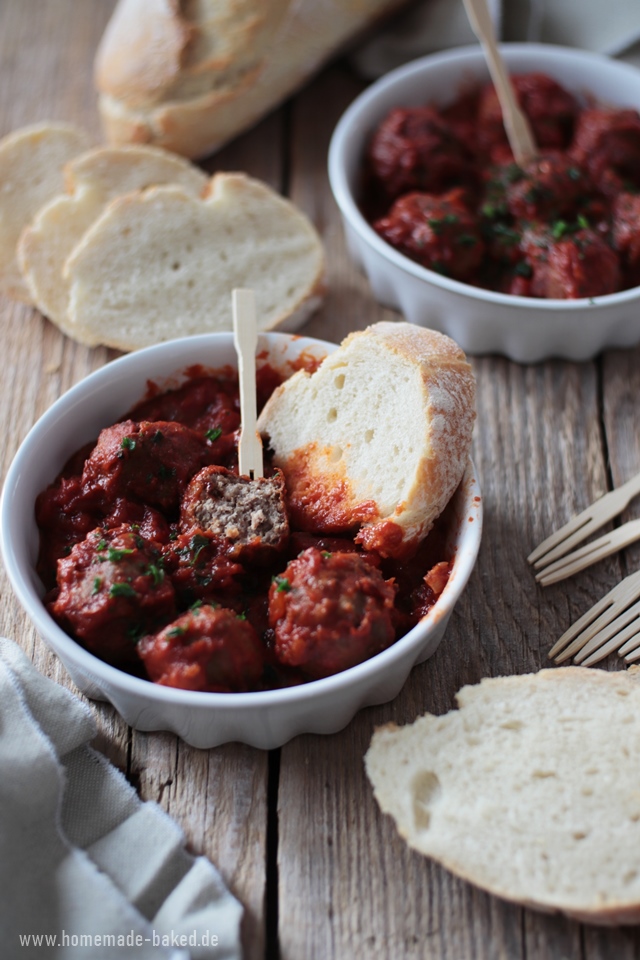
{"type": "Point", "coordinates": [92, 179]}
{"type": "Point", "coordinates": [31, 172]}
{"type": "Point", "coordinates": [531, 790]}
{"type": "Point", "coordinates": [174, 259]}
{"type": "Point", "coordinates": [379, 436]}
{"type": "Point", "coordinates": [189, 75]}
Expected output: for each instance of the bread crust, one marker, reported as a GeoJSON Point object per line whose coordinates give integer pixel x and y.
{"type": "Point", "coordinates": [398, 758]}
{"type": "Point", "coordinates": [336, 448]}
{"type": "Point", "coordinates": [203, 97]}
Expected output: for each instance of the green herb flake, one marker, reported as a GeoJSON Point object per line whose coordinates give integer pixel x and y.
{"type": "Point", "coordinates": [115, 556]}
{"type": "Point", "coordinates": [128, 443]}
{"type": "Point", "coordinates": [176, 632]}
{"type": "Point", "coordinates": [198, 543]}
{"type": "Point", "coordinates": [122, 590]}
{"type": "Point", "coordinates": [582, 221]}
{"type": "Point", "coordinates": [196, 605]}
{"type": "Point", "coordinates": [282, 584]}
{"type": "Point", "coordinates": [241, 616]}
{"type": "Point", "coordinates": [102, 546]}
{"type": "Point", "coordinates": [97, 583]}
{"type": "Point", "coordinates": [326, 554]}
{"type": "Point", "coordinates": [559, 228]}
{"type": "Point", "coordinates": [213, 434]}
{"type": "Point", "coordinates": [523, 269]}
{"type": "Point", "coordinates": [135, 632]}
{"type": "Point", "coordinates": [156, 573]}
{"type": "Point", "coordinates": [574, 173]}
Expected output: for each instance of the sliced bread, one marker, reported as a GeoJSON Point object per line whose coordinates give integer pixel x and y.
{"type": "Point", "coordinates": [31, 172]}
{"type": "Point", "coordinates": [93, 179]}
{"type": "Point", "coordinates": [378, 437]}
{"type": "Point", "coordinates": [162, 263]}
{"type": "Point", "coordinates": [531, 790]}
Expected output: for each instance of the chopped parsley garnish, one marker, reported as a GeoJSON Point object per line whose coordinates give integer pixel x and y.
{"type": "Point", "coordinates": [176, 631]}
{"type": "Point", "coordinates": [122, 590]}
{"type": "Point", "coordinates": [97, 583]}
{"type": "Point", "coordinates": [198, 543]}
{"type": "Point", "coordinates": [116, 555]}
{"type": "Point", "coordinates": [195, 606]}
{"type": "Point", "coordinates": [166, 472]}
{"type": "Point", "coordinates": [213, 434]}
{"type": "Point", "coordinates": [523, 269]}
{"type": "Point", "coordinates": [156, 573]}
{"type": "Point", "coordinates": [559, 228]}
{"type": "Point", "coordinates": [102, 546]}
{"type": "Point", "coordinates": [135, 631]}
{"type": "Point", "coordinates": [241, 616]}
{"type": "Point", "coordinates": [582, 221]}
{"type": "Point", "coordinates": [326, 554]}
{"type": "Point", "coordinates": [282, 584]}
{"type": "Point", "coordinates": [128, 443]}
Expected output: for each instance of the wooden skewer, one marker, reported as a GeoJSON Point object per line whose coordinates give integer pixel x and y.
{"type": "Point", "coordinates": [245, 338]}
{"type": "Point", "coordinates": [516, 124]}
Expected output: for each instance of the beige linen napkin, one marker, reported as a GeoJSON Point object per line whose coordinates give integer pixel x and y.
{"type": "Point", "coordinates": [83, 862]}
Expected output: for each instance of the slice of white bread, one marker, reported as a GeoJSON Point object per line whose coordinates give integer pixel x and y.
{"type": "Point", "coordinates": [531, 790]}
{"type": "Point", "coordinates": [92, 180]}
{"type": "Point", "coordinates": [161, 263]}
{"type": "Point", "coordinates": [379, 436]}
{"type": "Point", "coordinates": [31, 172]}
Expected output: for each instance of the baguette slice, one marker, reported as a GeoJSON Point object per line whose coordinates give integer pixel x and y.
{"type": "Point", "coordinates": [531, 790]}
{"type": "Point", "coordinates": [161, 263]}
{"type": "Point", "coordinates": [31, 172]}
{"type": "Point", "coordinates": [93, 179]}
{"type": "Point", "coordinates": [379, 436]}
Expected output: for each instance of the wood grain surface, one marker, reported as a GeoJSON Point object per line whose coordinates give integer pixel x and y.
{"type": "Point", "coordinates": [296, 832]}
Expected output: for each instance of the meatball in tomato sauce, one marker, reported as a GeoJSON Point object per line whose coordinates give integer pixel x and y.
{"type": "Point", "coordinates": [330, 611]}
{"type": "Point", "coordinates": [209, 649]}
{"type": "Point", "coordinates": [151, 461]}
{"type": "Point", "coordinates": [112, 589]}
{"type": "Point", "coordinates": [438, 232]}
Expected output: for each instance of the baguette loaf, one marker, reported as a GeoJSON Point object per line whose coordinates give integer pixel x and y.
{"type": "Point", "coordinates": [31, 172]}
{"type": "Point", "coordinates": [189, 75]}
{"type": "Point", "coordinates": [531, 790]}
{"type": "Point", "coordinates": [174, 259]}
{"type": "Point", "coordinates": [92, 180]}
{"type": "Point", "coordinates": [378, 437]}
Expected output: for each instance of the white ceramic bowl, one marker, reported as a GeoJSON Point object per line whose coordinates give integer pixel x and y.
{"type": "Point", "coordinates": [481, 321]}
{"type": "Point", "coordinates": [264, 719]}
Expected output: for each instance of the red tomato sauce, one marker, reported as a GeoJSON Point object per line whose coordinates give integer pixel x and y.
{"type": "Point", "coordinates": [442, 187]}
{"type": "Point", "coordinates": [132, 577]}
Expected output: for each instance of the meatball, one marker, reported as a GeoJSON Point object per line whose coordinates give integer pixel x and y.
{"type": "Point", "coordinates": [438, 232]}
{"type": "Point", "coordinates": [148, 461]}
{"type": "Point", "coordinates": [65, 514]}
{"type": "Point", "coordinates": [416, 149]}
{"type": "Point", "coordinates": [208, 405]}
{"type": "Point", "coordinates": [548, 187]}
{"type": "Point", "coordinates": [209, 649]}
{"type": "Point", "coordinates": [551, 110]}
{"type": "Point", "coordinates": [200, 567]}
{"type": "Point", "coordinates": [330, 611]}
{"type": "Point", "coordinates": [112, 589]}
{"type": "Point", "coordinates": [626, 229]}
{"type": "Point", "coordinates": [580, 264]}
{"type": "Point", "coordinates": [250, 516]}
{"type": "Point", "coordinates": [607, 142]}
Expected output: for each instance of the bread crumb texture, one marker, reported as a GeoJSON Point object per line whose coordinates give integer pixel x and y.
{"type": "Point", "coordinates": [531, 790]}
{"type": "Point", "coordinates": [31, 172]}
{"type": "Point", "coordinates": [162, 263]}
{"type": "Point", "coordinates": [379, 434]}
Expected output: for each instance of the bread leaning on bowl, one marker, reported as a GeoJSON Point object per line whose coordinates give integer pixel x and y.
{"type": "Point", "coordinates": [190, 76]}
{"type": "Point", "coordinates": [377, 438]}
{"type": "Point", "coordinates": [531, 790]}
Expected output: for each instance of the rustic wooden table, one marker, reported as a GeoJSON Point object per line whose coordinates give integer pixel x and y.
{"type": "Point", "coordinates": [296, 832]}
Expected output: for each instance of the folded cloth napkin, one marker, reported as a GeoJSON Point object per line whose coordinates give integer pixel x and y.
{"type": "Point", "coordinates": [86, 869]}
{"type": "Point", "coordinates": [612, 28]}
